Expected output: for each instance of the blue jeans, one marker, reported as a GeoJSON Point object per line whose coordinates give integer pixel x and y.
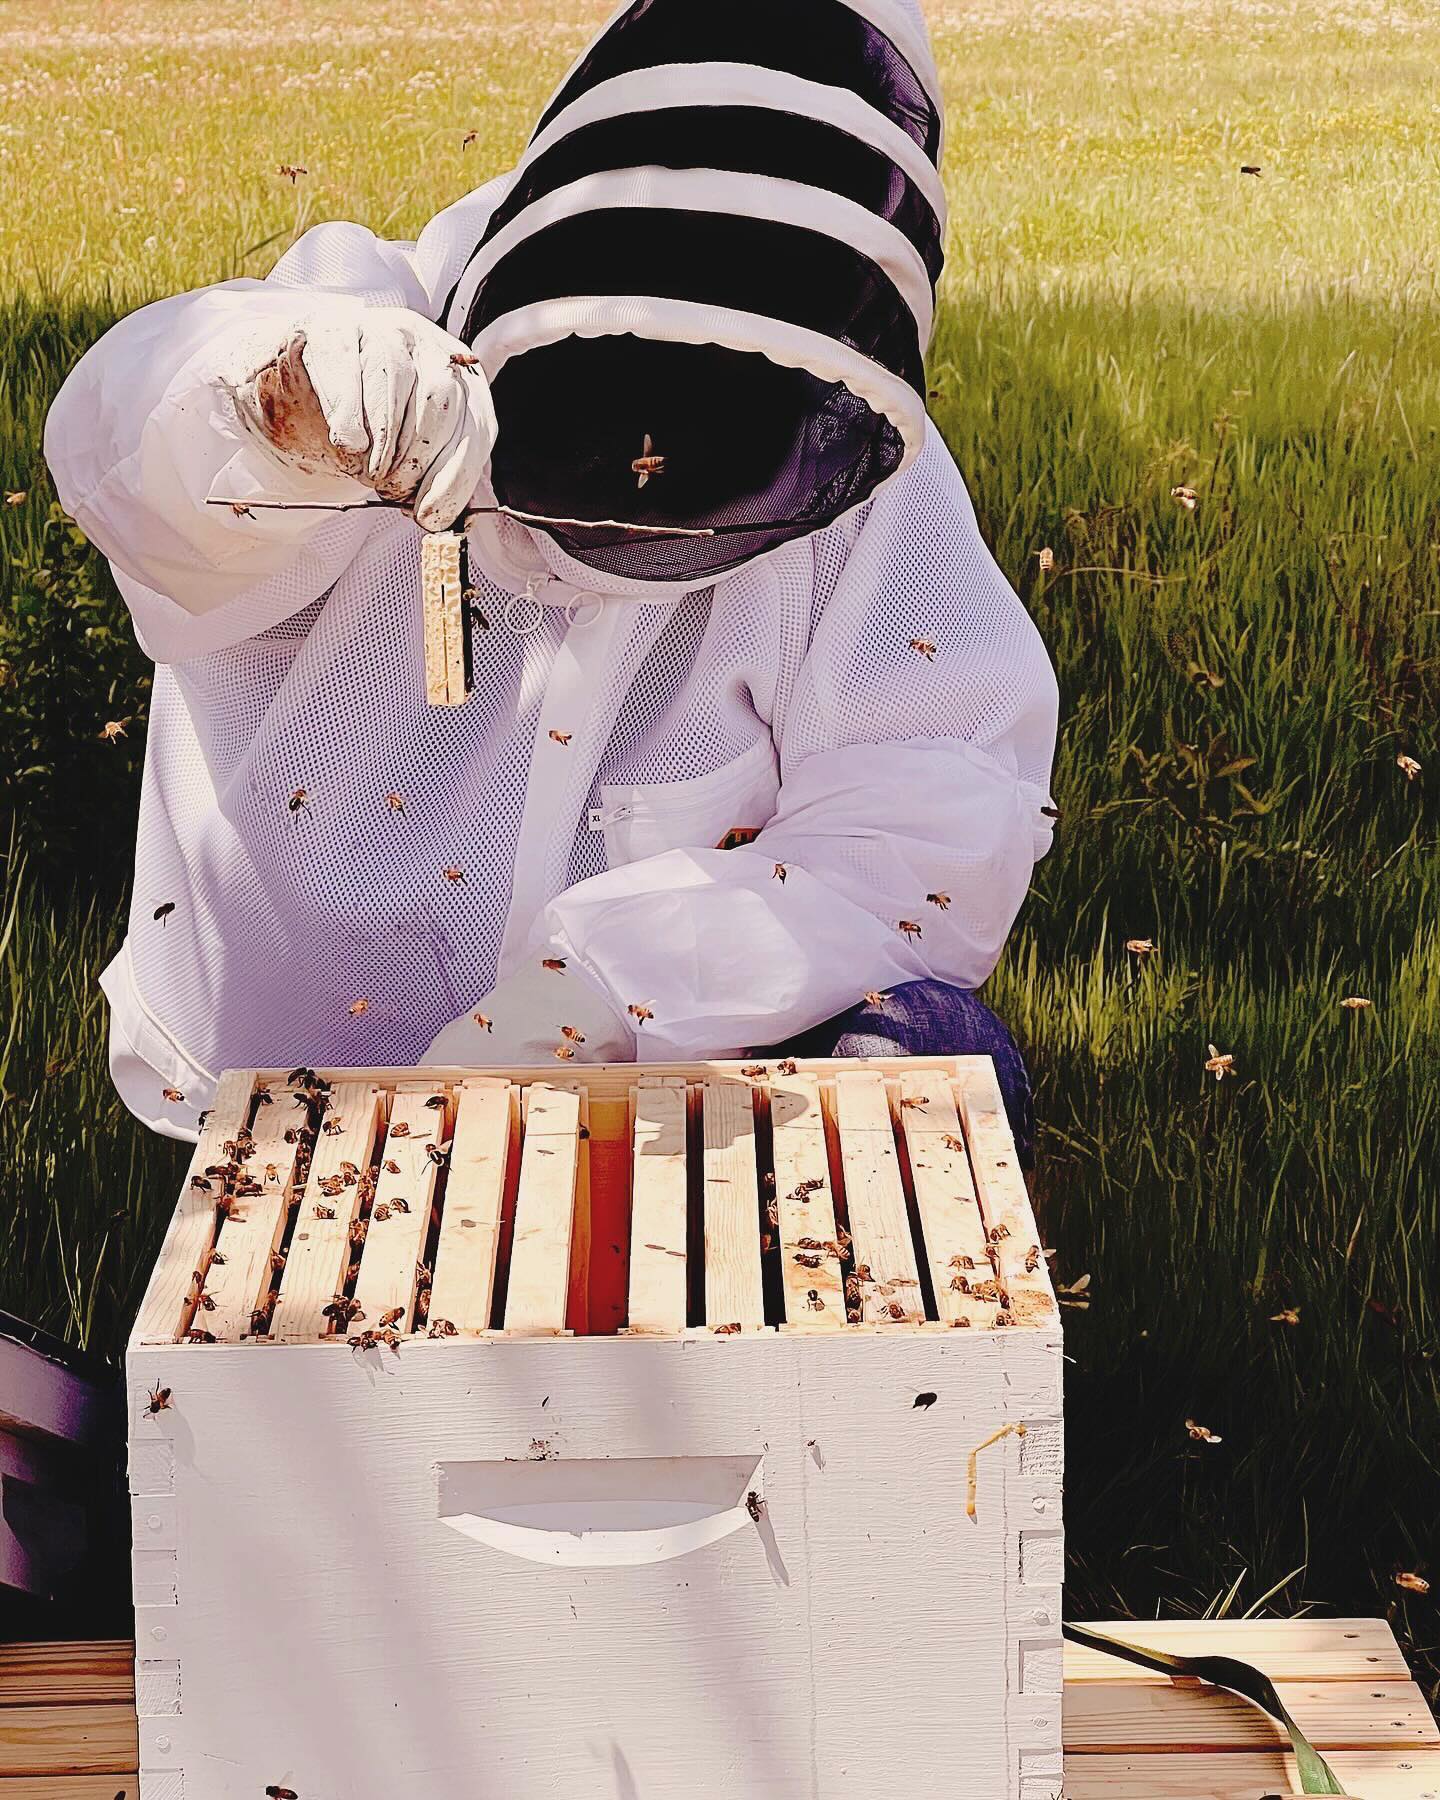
{"type": "Point", "coordinates": [928, 1018]}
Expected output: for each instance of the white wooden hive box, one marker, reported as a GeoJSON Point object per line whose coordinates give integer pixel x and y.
{"type": "Point", "coordinates": [670, 1433]}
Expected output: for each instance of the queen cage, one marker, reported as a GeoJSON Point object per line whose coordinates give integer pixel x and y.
{"type": "Point", "coordinates": [705, 299]}
{"type": "Point", "coordinates": [686, 1431]}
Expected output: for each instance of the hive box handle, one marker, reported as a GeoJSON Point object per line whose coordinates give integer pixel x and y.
{"type": "Point", "coordinates": [606, 1512]}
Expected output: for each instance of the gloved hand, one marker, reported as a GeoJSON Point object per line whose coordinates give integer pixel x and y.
{"type": "Point", "coordinates": [376, 393]}
{"type": "Point", "coordinates": [539, 1015]}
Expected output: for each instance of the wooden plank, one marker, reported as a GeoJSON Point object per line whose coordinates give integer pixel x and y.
{"type": "Point", "coordinates": [1334, 1715]}
{"type": "Point", "coordinates": [443, 609]}
{"type": "Point", "coordinates": [67, 1674]}
{"type": "Point", "coordinates": [404, 1196]}
{"type": "Point", "coordinates": [169, 1300]}
{"type": "Point", "coordinates": [1286, 1649]}
{"type": "Point", "coordinates": [577, 1298]}
{"type": "Point", "coordinates": [1247, 1775]}
{"type": "Point", "coordinates": [658, 1208]}
{"type": "Point", "coordinates": [250, 1233]}
{"type": "Point", "coordinates": [1004, 1198]}
{"type": "Point", "coordinates": [68, 1740]}
{"type": "Point", "coordinates": [613, 1081]}
{"type": "Point", "coordinates": [875, 1200]}
{"type": "Point", "coordinates": [945, 1198]}
{"type": "Point", "coordinates": [70, 1787]}
{"type": "Point", "coordinates": [539, 1284]}
{"type": "Point", "coordinates": [805, 1206]}
{"type": "Point", "coordinates": [320, 1246]}
{"type": "Point", "coordinates": [734, 1293]}
{"type": "Point", "coordinates": [464, 1285]}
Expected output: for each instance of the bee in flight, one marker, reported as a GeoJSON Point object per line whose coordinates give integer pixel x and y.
{"type": "Point", "coordinates": [647, 463]}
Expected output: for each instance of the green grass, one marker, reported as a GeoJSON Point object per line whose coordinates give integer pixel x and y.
{"type": "Point", "coordinates": [1124, 313]}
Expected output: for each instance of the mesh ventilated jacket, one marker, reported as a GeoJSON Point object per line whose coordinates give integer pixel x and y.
{"type": "Point", "coordinates": [789, 696]}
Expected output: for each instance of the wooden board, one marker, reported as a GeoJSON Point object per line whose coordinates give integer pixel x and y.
{"type": "Point", "coordinates": [805, 1206]}
{"type": "Point", "coordinates": [320, 1246]}
{"type": "Point", "coordinates": [400, 1214]}
{"type": "Point", "coordinates": [734, 1293]}
{"type": "Point", "coordinates": [72, 1700]}
{"type": "Point", "coordinates": [169, 1300]}
{"type": "Point", "coordinates": [539, 1285]}
{"type": "Point", "coordinates": [946, 1201]}
{"type": "Point", "coordinates": [1286, 1649]}
{"type": "Point", "coordinates": [251, 1231]}
{"type": "Point", "coordinates": [875, 1200]}
{"type": "Point", "coordinates": [464, 1285]}
{"type": "Point", "coordinates": [1004, 1200]}
{"type": "Point", "coordinates": [658, 1215]}
{"type": "Point", "coordinates": [1334, 1715]}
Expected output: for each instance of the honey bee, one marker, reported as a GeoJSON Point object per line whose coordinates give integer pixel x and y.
{"type": "Point", "coordinates": [400, 1129]}
{"type": "Point", "coordinates": [216, 1258]}
{"type": "Point", "coordinates": [300, 800]}
{"type": "Point", "coordinates": [436, 1102]}
{"type": "Point", "coordinates": [942, 901]}
{"type": "Point", "coordinates": [555, 964]}
{"type": "Point", "coordinates": [962, 1262]}
{"type": "Point", "coordinates": [755, 1506]}
{"type": "Point", "coordinates": [640, 1014]}
{"type": "Point", "coordinates": [199, 1181]}
{"type": "Point", "coordinates": [910, 929]}
{"type": "Point", "coordinates": [813, 1301]}
{"type": "Point", "coordinates": [424, 1276]}
{"type": "Point", "coordinates": [561, 737]}
{"type": "Point", "coordinates": [997, 1233]}
{"type": "Point", "coordinates": [391, 1166]}
{"type": "Point", "coordinates": [485, 1024]}
{"type": "Point", "coordinates": [359, 1229]}
{"type": "Point", "coordinates": [366, 1340]}
{"type": "Point", "coordinates": [862, 1272]}
{"type": "Point", "coordinates": [292, 172]}
{"type": "Point", "coordinates": [960, 1284]}
{"type": "Point", "coordinates": [915, 1100]}
{"type": "Point", "coordinates": [951, 1142]}
{"type": "Point", "coordinates": [207, 1303]}
{"type": "Point", "coordinates": [357, 1007]}
{"type": "Point", "coordinates": [277, 1261]}
{"type": "Point", "coordinates": [395, 802]}
{"type": "Point", "coordinates": [439, 1154]}
{"type": "Point", "coordinates": [331, 1128]}
{"type": "Point", "coordinates": [393, 1317]}
{"type": "Point", "coordinates": [892, 1309]}
{"type": "Point", "coordinates": [1140, 946]}
{"type": "Point", "coordinates": [453, 875]}
{"type": "Point", "coordinates": [196, 1336]}
{"type": "Point", "coordinates": [462, 359]}
{"type": "Point", "coordinates": [754, 1070]}
{"type": "Point", "coordinates": [469, 138]}
{"type": "Point", "coordinates": [380, 1214]}
{"type": "Point", "coordinates": [1032, 1259]}
{"type": "Point", "coordinates": [726, 1330]}
{"type": "Point", "coordinates": [162, 913]}
{"type": "Point", "coordinates": [260, 1322]}
{"type": "Point", "coordinates": [113, 730]}
{"type": "Point", "coordinates": [923, 647]}
{"type": "Point", "coordinates": [564, 1052]}
{"type": "Point", "coordinates": [399, 1206]}
{"type": "Point", "coordinates": [1219, 1065]}
{"type": "Point", "coordinates": [441, 1328]}
{"type": "Point", "coordinates": [647, 463]}
{"type": "Point", "coordinates": [853, 1293]}
{"type": "Point", "coordinates": [302, 1077]}
{"type": "Point", "coordinates": [874, 998]}
{"type": "Point", "coordinates": [779, 872]}
{"type": "Point", "coordinates": [324, 1212]}
{"type": "Point", "coordinates": [331, 1185]}
{"type": "Point", "coordinates": [343, 1310]}
{"type": "Point", "coordinates": [808, 1259]}
{"type": "Point", "coordinates": [240, 510]}
{"type": "Point", "coordinates": [173, 1095]}
{"type": "Point", "coordinates": [787, 1065]}
{"type": "Point", "coordinates": [159, 1399]}
{"type": "Point", "coordinates": [574, 1036]}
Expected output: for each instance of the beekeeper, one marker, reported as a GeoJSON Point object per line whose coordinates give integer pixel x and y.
{"type": "Point", "coordinates": [758, 748]}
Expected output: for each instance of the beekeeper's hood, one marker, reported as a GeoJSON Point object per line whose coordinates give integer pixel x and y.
{"type": "Point", "coordinates": [704, 302]}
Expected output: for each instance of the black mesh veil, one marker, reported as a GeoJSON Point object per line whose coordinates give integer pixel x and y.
{"type": "Point", "coordinates": [704, 302]}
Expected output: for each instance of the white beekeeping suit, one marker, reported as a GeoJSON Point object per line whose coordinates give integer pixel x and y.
{"type": "Point", "coordinates": [719, 252]}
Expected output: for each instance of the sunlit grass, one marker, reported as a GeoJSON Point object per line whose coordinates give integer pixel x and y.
{"type": "Point", "coordinates": [1125, 312]}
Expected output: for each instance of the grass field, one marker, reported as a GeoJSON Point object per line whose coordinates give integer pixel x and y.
{"type": "Point", "coordinates": [1124, 313]}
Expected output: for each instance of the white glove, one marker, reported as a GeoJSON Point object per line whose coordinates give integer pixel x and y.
{"type": "Point", "coordinates": [376, 393]}
{"type": "Point", "coordinates": [538, 1015]}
